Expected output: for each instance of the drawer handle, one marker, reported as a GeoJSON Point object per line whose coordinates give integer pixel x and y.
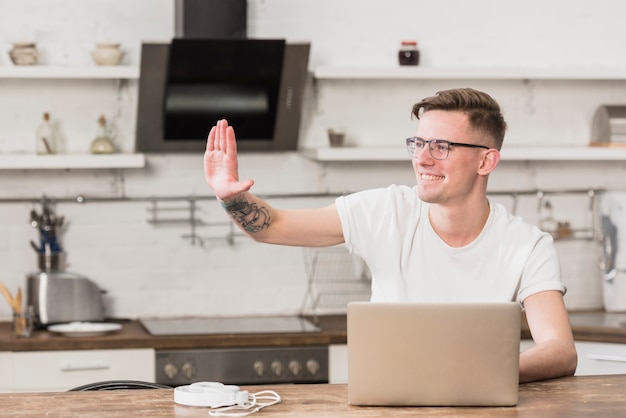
{"type": "Point", "coordinates": [72, 368]}
{"type": "Point", "coordinates": [606, 357]}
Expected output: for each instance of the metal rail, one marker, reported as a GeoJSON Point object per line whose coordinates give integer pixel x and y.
{"type": "Point", "coordinates": [190, 213]}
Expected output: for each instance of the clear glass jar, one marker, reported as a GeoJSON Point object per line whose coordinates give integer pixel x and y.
{"type": "Point", "coordinates": [23, 322]}
{"type": "Point", "coordinates": [408, 54]}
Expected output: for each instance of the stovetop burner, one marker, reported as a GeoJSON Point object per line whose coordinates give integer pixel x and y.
{"type": "Point", "coordinates": [228, 325]}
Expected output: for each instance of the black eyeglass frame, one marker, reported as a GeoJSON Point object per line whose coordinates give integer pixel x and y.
{"type": "Point", "coordinates": [411, 143]}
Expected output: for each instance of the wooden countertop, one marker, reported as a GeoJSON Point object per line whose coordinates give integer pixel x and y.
{"type": "Point", "coordinates": [599, 326]}
{"type": "Point", "coordinates": [134, 335]}
{"type": "Point", "coordinates": [582, 396]}
{"type": "Point", "coordinates": [593, 326]}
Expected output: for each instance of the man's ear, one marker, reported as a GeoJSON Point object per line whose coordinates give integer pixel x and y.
{"type": "Point", "coordinates": [490, 160]}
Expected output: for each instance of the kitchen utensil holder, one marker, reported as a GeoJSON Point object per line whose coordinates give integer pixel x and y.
{"type": "Point", "coordinates": [334, 278]}
{"type": "Point", "coordinates": [51, 261]}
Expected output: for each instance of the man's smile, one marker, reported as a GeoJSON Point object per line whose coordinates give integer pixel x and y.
{"type": "Point", "coordinates": [430, 177]}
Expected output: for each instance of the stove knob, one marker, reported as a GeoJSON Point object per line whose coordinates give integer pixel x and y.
{"type": "Point", "coordinates": [312, 366]}
{"type": "Point", "coordinates": [188, 370]}
{"type": "Point", "coordinates": [170, 370]}
{"type": "Point", "coordinates": [259, 368]}
{"type": "Point", "coordinates": [277, 367]}
{"type": "Point", "coordinates": [295, 367]}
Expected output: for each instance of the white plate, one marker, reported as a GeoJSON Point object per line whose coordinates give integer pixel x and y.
{"type": "Point", "coordinates": [84, 329]}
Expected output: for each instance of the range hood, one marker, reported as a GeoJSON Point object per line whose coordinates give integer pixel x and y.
{"type": "Point", "coordinates": [212, 72]}
{"type": "Point", "coordinates": [198, 19]}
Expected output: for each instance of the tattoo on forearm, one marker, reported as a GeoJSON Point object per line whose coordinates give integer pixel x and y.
{"type": "Point", "coordinates": [251, 217]}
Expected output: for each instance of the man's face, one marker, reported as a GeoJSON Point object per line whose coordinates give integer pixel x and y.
{"type": "Point", "coordinates": [451, 180]}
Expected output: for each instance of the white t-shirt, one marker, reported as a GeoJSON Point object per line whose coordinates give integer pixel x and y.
{"type": "Point", "coordinates": [389, 228]}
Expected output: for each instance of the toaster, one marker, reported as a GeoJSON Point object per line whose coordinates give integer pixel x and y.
{"type": "Point", "coordinates": [58, 297]}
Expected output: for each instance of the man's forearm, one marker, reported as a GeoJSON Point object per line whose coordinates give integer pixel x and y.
{"type": "Point", "coordinates": [249, 213]}
{"type": "Point", "coordinates": [548, 361]}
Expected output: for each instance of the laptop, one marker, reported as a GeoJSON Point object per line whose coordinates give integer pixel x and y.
{"type": "Point", "coordinates": [433, 354]}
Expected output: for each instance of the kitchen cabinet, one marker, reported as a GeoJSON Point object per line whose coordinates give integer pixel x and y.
{"type": "Point", "coordinates": [600, 358]}
{"type": "Point", "coordinates": [40, 371]}
{"type": "Point", "coordinates": [70, 161]}
{"type": "Point", "coordinates": [595, 358]}
{"type": "Point", "coordinates": [5, 364]}
{"type": "Point", "coordinates": [338, 363]}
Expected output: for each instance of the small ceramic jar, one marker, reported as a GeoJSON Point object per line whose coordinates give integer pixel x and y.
{"type": "Point", "coordinates": [107, 54]}
{"type": "Point", "coordinates": [24, 53]}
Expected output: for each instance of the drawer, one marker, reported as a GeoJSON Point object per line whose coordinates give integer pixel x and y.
{"type": "Point", "coordinates": [595, 358]}
{"type": "Point", "coordinates": [600, 358]}
{"type": "Point", "coordinates": [338, 363]}
{"type": "Point", "coordinates": [5, 371]}
{"type": "Point", "coordinates": [63, 370]}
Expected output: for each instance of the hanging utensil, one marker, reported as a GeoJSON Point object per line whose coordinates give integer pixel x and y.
{"type": "Point", "coordinates": [47, 224]}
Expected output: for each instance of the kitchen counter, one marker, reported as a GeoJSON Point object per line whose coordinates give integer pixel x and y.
{"type": "Point", "coordinates": [599, 326]}
{"type": "Point", "coordinates": [593, 326]}
{"type": "Point", "coordinates": [134, 335]}
{"type": "Point", "coordinates": [585, 396]}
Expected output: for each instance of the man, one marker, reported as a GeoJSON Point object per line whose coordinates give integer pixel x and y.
{"type": "Point", "coordinates": [441, 240]}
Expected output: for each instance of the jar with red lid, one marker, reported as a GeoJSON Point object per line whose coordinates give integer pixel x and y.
{"type": "Point", "coordinates": [408, 54]}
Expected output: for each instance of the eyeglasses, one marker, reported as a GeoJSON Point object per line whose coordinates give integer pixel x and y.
{"type": "Point", "coordinates": [439, 148]}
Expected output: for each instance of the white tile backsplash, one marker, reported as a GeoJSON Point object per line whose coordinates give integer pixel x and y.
{"type": "Point", "coordinates": [152, 270]}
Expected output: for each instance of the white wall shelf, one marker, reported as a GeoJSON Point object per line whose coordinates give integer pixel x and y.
{"type": "Point", "coordinates": [55, 72]}
{"type": "Point", "coordinates": [564, 153]}
{"type": "Point", "coordinates": [70, 161]}
{"type": "Point", "coordinates": [429, 73]}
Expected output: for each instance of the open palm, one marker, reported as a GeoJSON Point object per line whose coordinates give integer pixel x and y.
{"type": "Point", "coordinates": [221, 167]}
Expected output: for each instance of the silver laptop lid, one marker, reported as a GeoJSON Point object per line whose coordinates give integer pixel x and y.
{"type": "Point", "coordinates": [436, 354]}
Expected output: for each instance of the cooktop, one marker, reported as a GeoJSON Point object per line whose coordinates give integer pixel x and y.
{"type": "Point", "coordinates": [228, 325]}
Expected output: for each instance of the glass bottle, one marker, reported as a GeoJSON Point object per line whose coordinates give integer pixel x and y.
{"type": "Point", "coordinates": [102, 144]}
{"type": "Point", "coordinates": [45, 137]}
{"type": "Point", "coordinates": [408, 54]}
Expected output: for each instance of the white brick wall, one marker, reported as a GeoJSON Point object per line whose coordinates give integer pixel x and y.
{"type": "Point", "coordinates": [150, 271]}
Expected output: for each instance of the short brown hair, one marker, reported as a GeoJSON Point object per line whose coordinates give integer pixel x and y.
{"type": "Point", "coordinates": [483, 112]}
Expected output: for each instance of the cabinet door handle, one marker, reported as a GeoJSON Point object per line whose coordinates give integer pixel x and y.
{"type": "Point", "coordinates": [75, 368]}
{"type": "Point", "coordinates": [606, 357]}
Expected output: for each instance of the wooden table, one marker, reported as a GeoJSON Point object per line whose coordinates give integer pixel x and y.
{"type": "Point", "coordinates": [586, 396]}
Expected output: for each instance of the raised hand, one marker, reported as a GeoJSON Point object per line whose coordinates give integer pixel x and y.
{"type": "Point", "coordinates": [221, 167]}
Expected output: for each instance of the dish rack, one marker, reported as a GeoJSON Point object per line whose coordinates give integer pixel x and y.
{"type": "Point", "coordinates": [334, 278]}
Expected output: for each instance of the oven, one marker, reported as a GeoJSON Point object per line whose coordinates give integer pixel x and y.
{"type": "Point", "coordinates": [239, 365]}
